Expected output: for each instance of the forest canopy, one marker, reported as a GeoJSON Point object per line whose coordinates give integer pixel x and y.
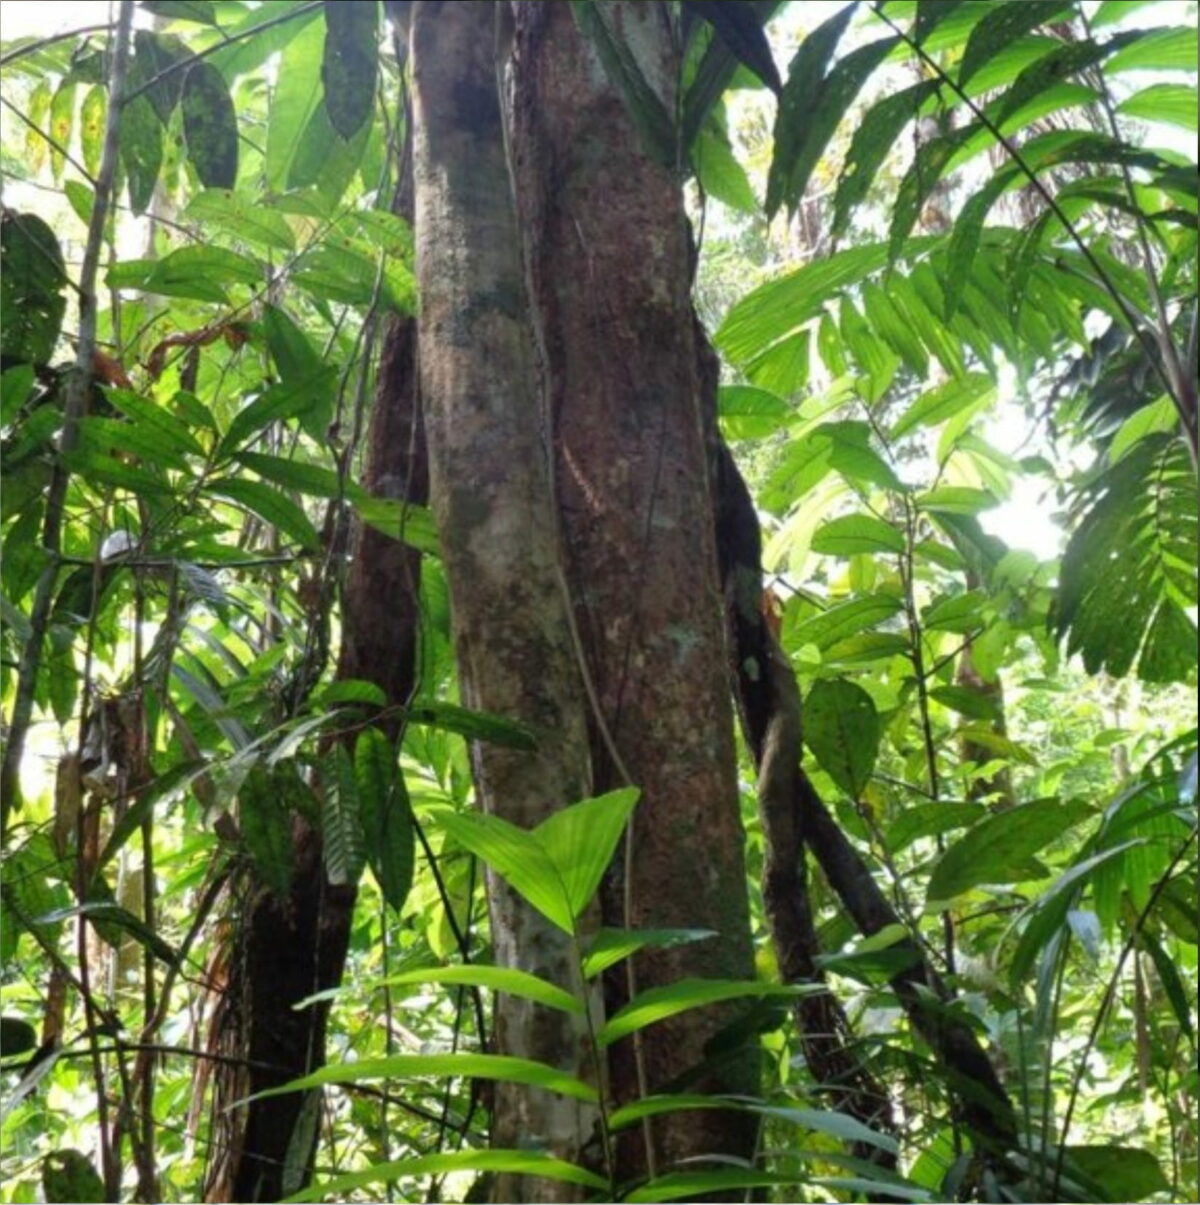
{"type": "Point", "coordinates": [598, 600]}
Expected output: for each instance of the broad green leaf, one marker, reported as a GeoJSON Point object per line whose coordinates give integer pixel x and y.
{"type": "Point", "coordinates": [1110, 11]}
{"type": "Point", "coordinates": [720, 174]}
{"type": "Point", "coordinates": [931, 820]}
{"type": "Point", "coordinates": [324, 159]}
{"type": "Point", "coordinates": [930, 14]}
{"type": "Point", "coordinates": [341, 823]}
{"type": "Point", "coordinates": [658, 1003]}
{"type": "Point", "coordinates": [280, 402]}
{"type": "Point", "coordinates": [487, 1162]}
{"type": "Point", "coordinates": [350, 64]}
{"type": "Point", "coordinates": [1175, 104]}
{"type": "Point", "coordinates": [404, 521]}
{"type": "Point", "coordinates": [312, 479]}
{"type": "Point", "coordinates": [141, 151]}
{"type": "Point", "coordinates": [166, 428]}
{"type": "Point", "coordinates": [1123, 1173]}
{"type": "Point", "coordinates": [269, 504]}
{"type": "Point", "coordinates": [841, 727]}
{"type": "Point", "coordinates": [747, 412]}
{"type": "Point", "coordinates": [516, 856]}
{"type": "Point", "coordinates": [201, 11]}
{"type": "Point", "coordinates": [1172, 983]}
{"type": "Point", "coordinates": [739, 26]}
{"type": "Point", "coordinates": [16, 1037]}
{"type": "Point", "coordinates": [1157, 418]}
{"type": "Point", "coordinates": [1169, 654]}
{"type": "Point", "coordinates": [800, 97]}
{"type": "Point", "coordinates": [198, 272]}
{"type": "Point", "coordinates": [966, 702]}
{"type": "Point", "coordinates": [837, 1125]}
{"type": "Point", "coordinates": [108, 435]}
{"type": "Point", "coordinates": [298, 91]}
{"type": "Point", "coordinates": [581, 839]}
{"type": "Point", "coordinates": [159, 54]}
{"type": "Point", "coordinates": [414, 1066]}
{"type": "Point", "coordinates": [210, 126]}
{"type": "Point", "coordinates": [955, 612]}
{"type": "Point", "coordinates": [474, 725]}
{"type": "Point", "coordinates": [1172, 48]}
{"type": "Point", "coordinates": [37, 109]}
{"type": "Point", "coordinates": [242, 215]}
{"type": "Point", "coordinates": [93, 117]}
{"type": "Point", "coordinates": [611, 946]}
{"type": "Point", "coordinates": [1001, 848]}
{"type": "Point", "coordinates": [891, 326]}
{"type": "Point", "coordinates": [956, 500]}
{"type": "Point", "coordinates": [101, 469]}
{"type": "Point", "coordinates": [385, 815]}
{"type": "Point", "coordinates": [873, 141]}
{"type": "Point", "coordinates": [62, 122]}
{"type": "Point", "coordinates": [68, 1176]}
{"type": "Point", "coordinates": [496, 979]}
{"type": "Point", "coordinates": [291, 349]}
{"type": "Point", "coordinates": [32, 278]}
{"type": "Point", "coordinates": [1001, 26]}
{"type": "Point", "coordinates": [844, 619]}
{"type": "Point", "coordinates": [852, 535]}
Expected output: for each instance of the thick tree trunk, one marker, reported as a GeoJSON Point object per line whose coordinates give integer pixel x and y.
{"type": "Point", "coordinates": [491, 493]}
{"type": "Point", "coordinates": [610, 268]}
{"type": "Point", "coordinates": [290, 948]}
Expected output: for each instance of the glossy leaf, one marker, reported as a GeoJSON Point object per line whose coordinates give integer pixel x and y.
{"type": "Point", "coordinates": [841, 727]}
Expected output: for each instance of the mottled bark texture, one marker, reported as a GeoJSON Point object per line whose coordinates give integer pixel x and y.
{"type": "Point", "coordinates": [287, 949]}
{"type": "Point", "coordinates": [491, 493]}
{"type": "Point", "coordinates": [765, 683]}
{"type": "Point", "coordinates": [769, 706]}
{"type": "Point", "coordinates": [609, 259]}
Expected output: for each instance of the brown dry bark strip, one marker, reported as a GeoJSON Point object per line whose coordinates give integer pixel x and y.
{"type": "Point", "coordinates": [609, 263]}
{"type": "Point", "coordinates": [490, 491]}
{"type": "Point", "coordinates": [762, 673]}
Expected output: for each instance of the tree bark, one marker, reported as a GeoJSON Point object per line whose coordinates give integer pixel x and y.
{"type": "Point", "coordinates": [491, 494]}
{"type": "Point", "coordinates": [609, 260]}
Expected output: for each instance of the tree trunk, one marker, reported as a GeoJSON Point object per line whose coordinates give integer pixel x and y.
{"type": "Point", "coordinates": [490, 479]}
{"type": "Point", "coordinates": [609, 260]}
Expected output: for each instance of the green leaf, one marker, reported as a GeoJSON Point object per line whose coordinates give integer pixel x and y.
{"type": "Point", "coordinates": [279, 403]}
{"type": "Point", "coordinates": [1000, 27]}
{"type": "Point", "coordinates": [62, 122]}
{"type": "Point", "coordinates": [956, 500]}
{"type": "Point", "coordinates": [210, 126]}
{"type": "Point", "coordinates": [99, 469]}
{"type": "Point", "coordinates": [474, 725]}
{"type": "Point", "coordinates": [93, 120]}
{"type": "Point", "coordinates": [298, 91]}
{"type": "Point", "coordinates": [201, 11]}
{"type": "Point", "coordinates": [141, 151]}
{"type": "Point", "coordinates": [747, 412]}
{"type": "Point", "coordinates": [720, 174]}
{"type": "Point", "coordinates": [350, 64]}
{"type": "Point", "coordinates": [851, 535]}
{"type": "Point", "coordinates": [32, 278]}
{"type": "Point", "coordinates": [844, 619]}
{"type": "Point", "coordinates": [404, 521]}
{"type": "Point", "coordinates": [837, 93]}
{"type": "Point", "coordinates": [385, 815]}
{"type": "Point", "coordinates": [658, 1003]}
{"type": "Point", "coordinates": [800, 97]}
{"type": "Point", "coordinates": [486, 1162]}
{"type": "Point", "coordinates": [341, 824]}
{"type": "Point", "coordinates": [581, 839]}
{"type": "Point", "coordinates": [269, 504]}
{"type": "Point", "coordinates": [611, 946]}
{"type": "Point", "coordinates": [1001, 848]}
{"type": "Point", "coordinates": [1172, 983]}
{"type": "Point", "coordinates": [1158, 418]}
{"type": "Point", "coordinates": [516, 856]}
{"type": "Point", "coordinates": [16, 1037]}
{"type": "Point", "coordinates": [741, 29]}
{"type": "Point", "coordinates": [841, 727]}
{"type": "Point", "coordinates": [312, 479]}
{"type": "Point", "coordinates": [1172, 48]}
{"type": "Point", "coordinates": [159, 54]}
{"type": "Point", "coordinates": [496, 979]}
{"type": "Point", "coordinates": [197, 272]}
{"type": "Point", "coordinates": [104, 435]}
{"type": "Point", "coordinates": [414, 1066]}
{"type": "Point", "coordinates": [1175, 104]}
{"type": "Point", "coordinates": [873, 141]}
{"type": "Point", "coordinates": [242, 215]}
{"type": "Point", "coordinates": [68, 1176]}
{"type": "Point", "coordinates": [931, 820]}
{"type": "Point", "coordinates": [168, 430]}
{"type": "Point", "coordinates": [717, 1184]}
{"type": "Point", "coordinates": [1123, 1173]}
